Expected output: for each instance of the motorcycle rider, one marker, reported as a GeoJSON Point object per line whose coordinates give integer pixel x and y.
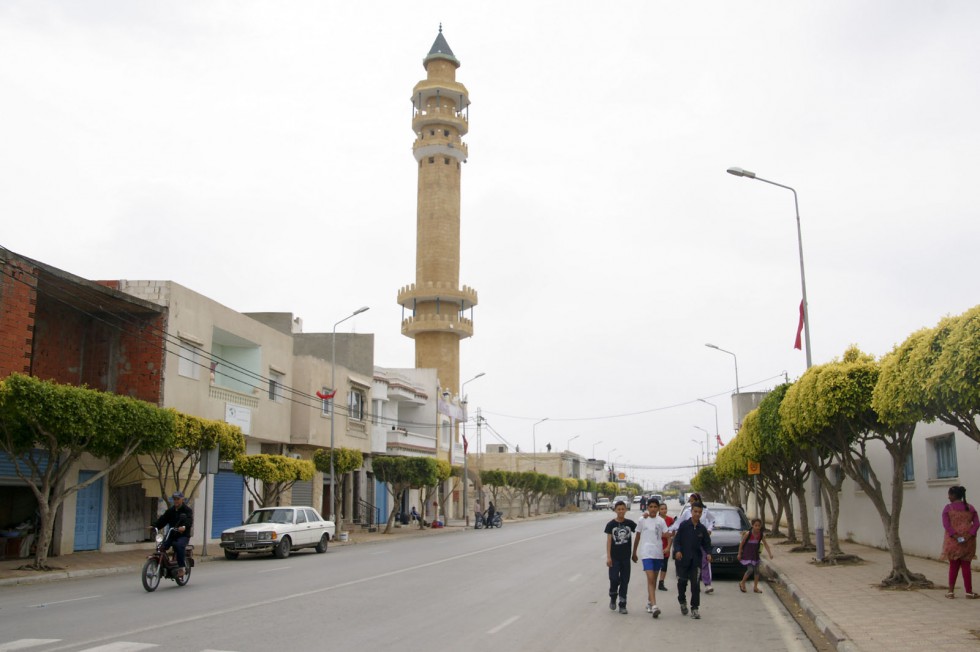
{"type": "Point", "coordinates": [180, 517]}
{"type": "Point", "coordinates": [491, 510]}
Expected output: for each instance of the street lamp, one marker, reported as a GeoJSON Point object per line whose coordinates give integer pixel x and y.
{"type": "Point", "coordinates": [698, 444]}
{"type": "Point", "coordinates": [707, 444]}
{"type": "Point", "coordinates": [815, 486]}
{"type": "Point", "coordinates": [718, 348]}
{"type": "Point", "coordinates": [570, 440]}
{"type": "Point", "coordinates": [466, 478]}
{"type": "Point", "coordinates": [333, 406]}
{"type": "Point", "coordinates": [717, 432]}
{"type": "Point", "coordinates": [534, 444]}
{"type": "Point", "coordinates": [593, 448]}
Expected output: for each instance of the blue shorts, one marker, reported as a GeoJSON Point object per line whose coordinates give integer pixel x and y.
{"type": "Point", "coordinates": [654, 565]}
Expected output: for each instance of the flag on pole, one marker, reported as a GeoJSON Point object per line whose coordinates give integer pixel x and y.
{"type": "Point", "coordinates": [326, 397]}
{"type": "Point", "coordinates": [799, 331]}
{"type": "Point", "coordinates": [720, 442]}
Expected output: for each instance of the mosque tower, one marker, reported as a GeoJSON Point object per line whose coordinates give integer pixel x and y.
{"type": "Point", "coordinates": [438, 305]}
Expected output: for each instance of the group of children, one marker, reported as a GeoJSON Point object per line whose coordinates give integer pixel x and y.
{"type": "Point", "coordinates": [688, 537]}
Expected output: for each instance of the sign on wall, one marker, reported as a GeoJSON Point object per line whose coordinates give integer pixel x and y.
{"type": "Point", "coordinates": [240, 416]}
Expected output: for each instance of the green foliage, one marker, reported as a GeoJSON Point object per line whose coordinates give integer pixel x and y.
{"type": "Point", "coordinates": [277, 473]}
{"type": "Point", "coordinates": [345, 460]}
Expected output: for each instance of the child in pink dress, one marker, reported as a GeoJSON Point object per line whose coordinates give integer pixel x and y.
{"type": "Point", "coordinates": [960, 525]}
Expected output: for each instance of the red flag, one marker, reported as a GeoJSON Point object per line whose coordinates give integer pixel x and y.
{"type": "Point", "coordinates": [720, 442]}
{"type": "Point", "coordinates": [466, 444]}
{"type": "Point", "coordinates": [326, 397]}
{"type": "Point", "coordinates": [799, 331]}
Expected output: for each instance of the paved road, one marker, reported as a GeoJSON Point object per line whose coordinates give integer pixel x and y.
{"type": "Point", "coordinates": [539, 585]}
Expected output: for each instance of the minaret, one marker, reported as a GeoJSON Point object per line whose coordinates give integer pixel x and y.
{"type": "Point", "coordinates": [438, 305]}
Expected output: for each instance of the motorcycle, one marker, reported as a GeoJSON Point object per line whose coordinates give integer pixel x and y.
{"type": "Point", "coordinates": [163, 562]}
{"type": "Point", "coordinates": [482, 522]}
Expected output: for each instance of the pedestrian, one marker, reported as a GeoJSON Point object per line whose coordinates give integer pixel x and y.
{"type": "Point", "coordinates": [691, 544]}
{"type": "Point", "coordinates": [491, 510]}
{"type": "Point", "coordinates": [708, 520]}
{"type": "Point", "coordinates": [749, 554]}
{"type": "Point", "coordinates": [669, 520]}
{"type": "Point", "coordinates": [649, 542]}
{"type": "Point", "coordinates": [619, 535]}
{"type": "Point", "coordinates": [643, 503]}
{"type": "Point", "coordinates": [960, 525]}
{"type": "Point", "coordinates": [415, 514]}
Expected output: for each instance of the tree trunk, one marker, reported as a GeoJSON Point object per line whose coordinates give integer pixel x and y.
{"type": "Point", "coordinates": [807, 543]}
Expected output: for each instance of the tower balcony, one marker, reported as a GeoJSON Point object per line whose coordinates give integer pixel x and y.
{"type": "Point", "coordinates": [461, 327]}
{"type": "Point", "coordinates": [429, 117]}
{"type": "Point", "coordinates": [455, 147]}
{"type": "Point", "coordinates": [437, 291]}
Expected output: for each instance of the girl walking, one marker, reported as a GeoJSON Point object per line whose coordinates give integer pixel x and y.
{"type": "Point", "coordinates": [749, 554]}
{"type": "Point", "coordinates": [960, 523]}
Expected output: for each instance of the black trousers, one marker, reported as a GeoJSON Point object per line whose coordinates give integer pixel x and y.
{"type": "Point", "coordinates": [688, 570]}
{"type": "Point", "coordinates": [619, 579]}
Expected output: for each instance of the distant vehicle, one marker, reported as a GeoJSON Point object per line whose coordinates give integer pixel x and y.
{"type": "Point", "coordinates": [730, 524]}
{"type": "Point", "coordinates": [625, 499]}
{"type": "Point", "coordinates": [602, 503]}
{"type": "Point", "coordinates": [278, 530]}
{"type": "Point", "coordinates": [658, 498]}
{"type": "Point", "coordinates": [637, 500]}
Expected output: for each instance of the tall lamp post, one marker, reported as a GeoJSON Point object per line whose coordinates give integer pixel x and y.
{"type": "Point", "coordinates": [466, 477]}
{"type": "Point", "coordinates": [534, 444]}
{"type": "Point", "coordinates": [738, 388]}
{"type": "Point", "coordinates": [815, 482]}
{"type": "Point", "coordinates": [570, 440]}
{"type": "Point", "coordinates": [593, 448]}
{"type": "Point", "coordinates": [707, 444]}
{"type": "Point", "coordinates": [333, 406]}
{"type": "Point", "coordinates": [717, 432]}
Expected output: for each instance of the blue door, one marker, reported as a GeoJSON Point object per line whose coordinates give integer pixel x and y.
{"type": "Point", "coordinates": [88, 514]}
{"type": "Point", "coordinates": [382, 499]}
{"type": "Point", "coordinates": [228, 499]}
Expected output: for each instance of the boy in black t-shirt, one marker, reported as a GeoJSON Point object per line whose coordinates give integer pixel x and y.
{"type": "Point", "coordinates": [619, 539]}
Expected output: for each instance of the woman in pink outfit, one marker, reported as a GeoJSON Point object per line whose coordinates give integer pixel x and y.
{"type": "Point", "coordinates": [960, 522]}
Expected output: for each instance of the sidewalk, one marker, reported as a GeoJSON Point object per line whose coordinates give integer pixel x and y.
{"type": "Point", "coordinates": [847, 605]}
{"type": "Point", "coordinates": [844, 601]}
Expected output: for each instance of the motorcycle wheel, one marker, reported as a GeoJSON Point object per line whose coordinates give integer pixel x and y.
{"type": "Point", "coordinates": [478, 525]}
{"type": "Point", "coordinates": [181, 581]}
{"type": "Point", "coordinates": [151, 574]}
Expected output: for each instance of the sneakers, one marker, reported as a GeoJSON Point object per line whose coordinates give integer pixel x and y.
{"type": "Point", "coordinates": [649, 607]}
{"type": "Point", "coordinates": [622, 609]}
{"type": "Point", "coordinates": [655, 611]}
{"type": "Point", "coordinates": [662, 587]}
{"type": "Point", "coordinates": [683, 608]}
{"type": "Point", "coordinates": [695, 614]}
{"type": "Point", "coordinates": [612, 603]}
{"type": "Point", "coordinates": [709, 589]}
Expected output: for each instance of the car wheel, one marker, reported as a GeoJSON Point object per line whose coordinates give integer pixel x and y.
{"type": "Point", "coordinates": [283, 549]}
{"type": "Point", "coordinates": [231, 555]}
{"type": "Point", "coordinates": [322, 546]}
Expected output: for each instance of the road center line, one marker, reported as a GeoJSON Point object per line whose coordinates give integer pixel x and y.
{"type": "Point", "coordinates": [306, 594]}
{"type": "Point", "coordinates": [48, 604]}
{"type": "Point", "coordinates": [275, 570]}
{"type": "Point", "coordinates": [507, 623]}
{"type": "Point", "coordinates": [574, 577]}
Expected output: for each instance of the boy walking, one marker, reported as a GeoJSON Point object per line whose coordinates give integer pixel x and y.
{"type": "Point", "coordinates": [669, 520]}
{"type": "Point", "coordinates": [649, 542]}
{"type": "Point", "coordinates": [619, 534]}
{"type": "Point", "coordinates": [691, 543]}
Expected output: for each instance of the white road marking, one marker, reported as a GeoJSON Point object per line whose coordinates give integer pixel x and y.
{"type": "Point", "coordinates": [506, 623]}
{"type": "Point", "coordinates": [121, 646]}
{"type": "Point", "coordinates": [574, 577]}
{"type": "Point", "coordinates": [24, 643]}
{"type": "Point", "coordinates": [274, 570]}
{"type": "Point", "coordinates": [48, 604]}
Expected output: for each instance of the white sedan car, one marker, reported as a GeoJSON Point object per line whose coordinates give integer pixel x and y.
{"type": "Point", "coordinates": [278, 530]}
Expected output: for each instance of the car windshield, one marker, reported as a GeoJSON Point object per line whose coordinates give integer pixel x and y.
{"type": "Point", "coordinates": [270, 516]}
{"type": "Point", "coordinates": [729, 519]}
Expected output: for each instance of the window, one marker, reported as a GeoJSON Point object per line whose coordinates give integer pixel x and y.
{"type": "Point", "coordinates": [908, 473]}
{"type": "Point", "coordinates": [865, 471]}
{"type": "Point", "coordinates": [189, 364]}
{"type": "Point", "coordinates": [944, 449]}
{"type": "Point", "coordinates": [325, 403]}
{"type": "Point", "coordinates": [445, 132]}
{"type": "Point", "coordinates": [355, 405]}
{"type": "Point", "coordinates": [275, 386]}
{"type": "Point", "coordinates": [300, 516]}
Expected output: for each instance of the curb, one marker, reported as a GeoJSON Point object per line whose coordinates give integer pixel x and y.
{"type": "Point", "coordinates": [829, 628]}
{"type": "Point", "coordinates": [58, 576]}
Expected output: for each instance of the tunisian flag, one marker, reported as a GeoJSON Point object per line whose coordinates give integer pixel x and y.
{"type": "Point", "coordinates": [720, 442]}
{"type": "Point", "coordinates": [799, 331]}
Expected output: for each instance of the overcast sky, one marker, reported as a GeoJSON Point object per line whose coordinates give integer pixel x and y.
{"type": "Point", "coordinates": [259, 153]}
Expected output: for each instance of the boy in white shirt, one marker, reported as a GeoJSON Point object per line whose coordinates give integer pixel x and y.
{"type": "Point", "coordinates": [649, 541]}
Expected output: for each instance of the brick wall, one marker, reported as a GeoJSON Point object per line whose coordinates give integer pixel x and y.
{"type": "Point", "coordinates": [18, 298]}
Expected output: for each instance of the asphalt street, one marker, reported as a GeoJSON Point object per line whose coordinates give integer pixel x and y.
{"type": "Point", "coordinates": [536, 585]}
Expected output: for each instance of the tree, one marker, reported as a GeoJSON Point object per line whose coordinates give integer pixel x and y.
{"type": "Point", "coordinates": [47, 427]}
{"type": "Point", "coordinates": [934, 374]}
{"type": "Point", "coordinates": [345, 460]}
{"type": "Point", "coordinates": [433, 485]}
{"type": "Point", "coordinates": [176, 468]}
{"type": "Point", "coordinates": [396, 472]}
{"type": "Point", "coordinates": [271, 475]}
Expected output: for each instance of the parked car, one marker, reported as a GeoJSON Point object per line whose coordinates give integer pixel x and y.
{"type": "Point", "coordinates": [625, 499]}
{"type": "Point", "coordinates": [658, 498]}
{"type": "Point", "coordinates": [637, 500]}
{"type": "Point", "coordinates": [278, 530]}
{"type": "Point", "coordinates": [730, 524]}
{"type": "Point", "coordinates": [601, 503]}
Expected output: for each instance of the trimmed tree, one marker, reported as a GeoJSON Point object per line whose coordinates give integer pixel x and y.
{"type": "Point", "coordinates": [47, 427]}
{"type": "Point", "coordinates": [268, 477]}
{"type": "Point", "coordinates": [396, 472]}
{"type": "Point", "coordinates": [345, 460]}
